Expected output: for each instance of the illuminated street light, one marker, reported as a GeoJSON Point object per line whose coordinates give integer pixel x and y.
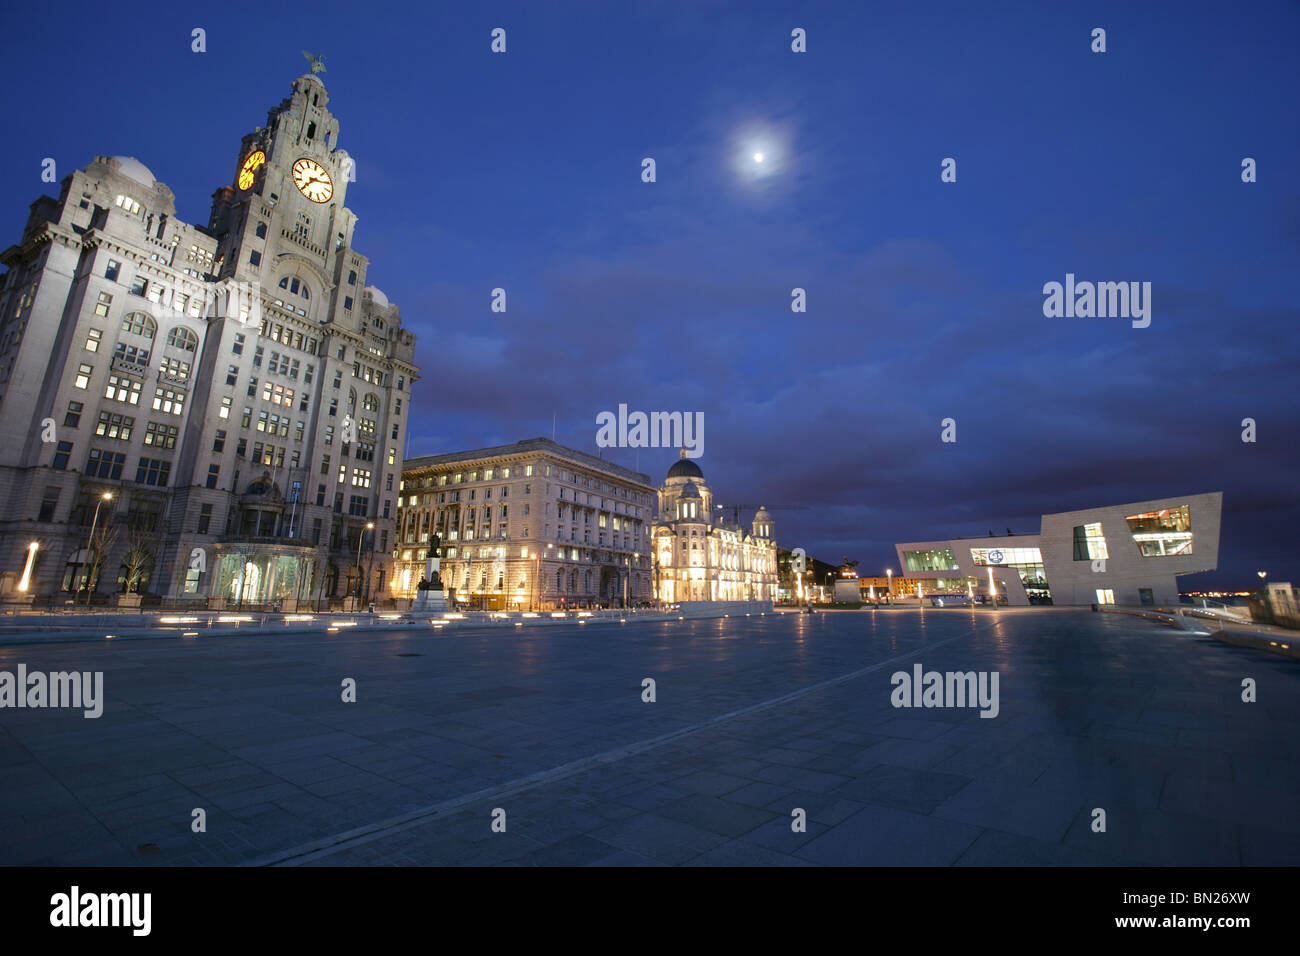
{"type": "Point", "coordinates": [106, 496]}
{"type": "Point", "coordinates": [26, 579]}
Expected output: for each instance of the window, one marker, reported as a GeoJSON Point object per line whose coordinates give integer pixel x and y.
{"type": "Point", "coordinates": [940, 559]}
{"type": "Point", "coordinates": [153, 471]}
{"type": "Point", "coordinates": [1089, 543]}
{"type": "Point", "coordinates": [49, 503]}
{"type": "Point", "coordinates": [114, 426]}
{"type": "Point", "coordinates": [93, 337]}
{"type": "Point", "coordinates": [361, 477]}
{"type": "Point", "coordinates": [104, 464]}
{"type": "Point", "coordinates": [205, 518]}
{"type": "Point", "coordinates": [232, 375]}
{"type": "Point", "coordinates": [325, 465]}
{"type": "Point", "coordinates": [352, 277]}
{"type": "Point", "coordinates": [110, 272]}
{"type": "Point", "coordinates": [1105, 596]}
{"type": "Point", "coordinates": [139, 323]}
{"type": "Point", "coordinates": [123, 389]}
{"type": "Point", "coordinates": [61, 454]}
{"type": "Point", "coordinates": [241, 447]}
{"type": "Point", "coordinates": [219, 442]}
{"type": "Point", "coordinates": [160, 435]}
{"type": "Point", "coordinates": [1162, 533]}
{"type": "Point", "coordinates": [132, 355]}
{"type": "Point", "coordinates": [347, 302]}
{"type": "Point", "coordinates": [225, 408]}
{"type": "Point", "coordinates": [238, 347]}
{"type": "Point", "coordinates": [260, 231]}
{"type": "Point", "coordinates": [175, 368]}
{"type": "Point", "coordinates": [182, 338]}
{"type": "Point", "coordinates": [357, 505]}
{"type": "Point", "coordinates": [214, 472]}
{"type": "Point", "coordinates": [73, 416]}
{"type": "Point", "coordinates": [168, 400]}
{"type": "Point", "coordinates": [101, 306]}
{"type": "Point", "coordinates": [138, 286]}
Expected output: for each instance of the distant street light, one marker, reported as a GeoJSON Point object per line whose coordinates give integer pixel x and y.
{"type": "Point", "coordinates": [889, 577]}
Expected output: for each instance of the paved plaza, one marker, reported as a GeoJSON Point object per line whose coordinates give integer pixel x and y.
{"type": "Point", "coordinates": [754, 718]}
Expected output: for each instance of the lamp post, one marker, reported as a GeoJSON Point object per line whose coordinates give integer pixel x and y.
{"type": "Point", "coordinates": [537, 569]}
{"type": "Point", "coordinates": [361, 537]}
{"type": "Point", "coordinates": [920, 600]}
{"type": "Point", "coordinates": [106, 496]}
{"type": "Point", "coordinates": [627, 585]}
{"type": "Point", "coordinates": [26, 580]}
{"type": "Point", "coordinates": [370, 560]}
{"type": "Point", "coordinates": [889, 578]}
{"type": "Point", "coordinates": [993, 592]}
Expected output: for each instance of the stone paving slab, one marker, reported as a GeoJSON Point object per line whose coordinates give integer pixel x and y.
{"type": "Point", "coordinates": [1095, 710]}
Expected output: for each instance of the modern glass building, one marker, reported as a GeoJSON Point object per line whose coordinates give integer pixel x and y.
{"type": "Point", "coordinates": [1122, 554]}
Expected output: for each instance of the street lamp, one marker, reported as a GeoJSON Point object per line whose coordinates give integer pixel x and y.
{"type": "Point", "coordinates": [627, 585]}
{"type": "Point", "coordinates": [106, 496]}
{"type": "Point", "coordinates": [361, 537]}
{"type": "Point", "coordinates": [537, 569]}
{"type": "Point", "coordinates": [889, 578]}
{"type": "Point", "coordinates": [993, 593]}
{"type": "Point", "coordinates": [26, 580]}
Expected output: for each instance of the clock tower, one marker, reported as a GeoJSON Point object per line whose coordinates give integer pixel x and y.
{"type": "Point", "coordinates": [285, 204]}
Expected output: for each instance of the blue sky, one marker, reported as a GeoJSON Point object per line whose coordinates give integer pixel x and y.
{"type": "Point", "coordinates": [522, 171]}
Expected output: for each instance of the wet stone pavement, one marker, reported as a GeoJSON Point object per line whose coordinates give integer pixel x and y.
{"type": "Point", "coordinates": [754, 718]}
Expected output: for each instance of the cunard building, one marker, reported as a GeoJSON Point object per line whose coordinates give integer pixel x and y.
{"type": "Point", "coordinates": [211, 411]}
{"type": "Point", "coordinates": [700, 555]}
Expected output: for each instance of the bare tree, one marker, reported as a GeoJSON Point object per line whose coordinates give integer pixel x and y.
{"type": "Point", "coordinates": [101, 543]}
{"type": "Point", "coordinates": [142, 548]}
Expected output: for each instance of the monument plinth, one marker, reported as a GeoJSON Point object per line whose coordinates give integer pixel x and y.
{"type": "Point", "coordinates": [430, 596]}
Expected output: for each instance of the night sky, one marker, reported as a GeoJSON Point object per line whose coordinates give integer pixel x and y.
{"type": "Point", "coordinates": [925, 302]}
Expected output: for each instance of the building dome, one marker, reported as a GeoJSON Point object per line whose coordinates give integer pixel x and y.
{"type": "Point", "coordinates": [685, 468]}
{"type": "Point", "coordinates": [689, 490]}
{"type": "Point", "coordinates": [763, 514]}
{"type": "Point", "coordinates": [132, 168]}
{"type": "Point", "coordinates": [379, 298]}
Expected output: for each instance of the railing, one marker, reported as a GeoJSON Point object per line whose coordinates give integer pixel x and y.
{"type": "Point", "coordinates": [130, 368]}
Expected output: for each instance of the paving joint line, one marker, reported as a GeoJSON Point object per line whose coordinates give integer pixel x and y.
{"type": "Point", "coordinates": [326, 846]}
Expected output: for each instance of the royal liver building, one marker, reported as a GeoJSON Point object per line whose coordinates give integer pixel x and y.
{"type": "Point", "coordinates": [202, 412]}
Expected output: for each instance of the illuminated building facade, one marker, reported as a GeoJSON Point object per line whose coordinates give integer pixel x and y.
{"type": "Point", "coordinates": [533, 524]}
{"type": "Point", "coordinates": [236, 387]}
{"type": "Point", "coordinates": [700, 555]}
{"type": "Point", "coordinates": [1123, 554]}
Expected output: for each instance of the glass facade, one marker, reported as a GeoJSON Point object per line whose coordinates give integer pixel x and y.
{"type": "Point", "coordinates": [1028, 563]}
{"type": "Point", "coordinates": [1162, 533]}
{"type": "Point", "coordinates": [940, 559]}
{"type": "Point", "coordinates": [1089, 542]}
{"type": "Point", "coordinates": [263, 578]}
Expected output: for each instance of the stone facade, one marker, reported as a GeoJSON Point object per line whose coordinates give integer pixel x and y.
{"type": "Point", "coordinates": [236, 387]}
{"type": "Point", "coordinates": [703, 556]}
{"type": "Point", "coordinates": [529, 525]}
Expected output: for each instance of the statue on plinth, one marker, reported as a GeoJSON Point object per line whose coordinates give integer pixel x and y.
{"type": "Point", "coordinates": [430, 595]}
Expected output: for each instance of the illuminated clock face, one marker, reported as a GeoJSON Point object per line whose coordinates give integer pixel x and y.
{"type": "Point", "coordinates": [312, 180]}
{"type": "Point", "coordinates": [251, 164]}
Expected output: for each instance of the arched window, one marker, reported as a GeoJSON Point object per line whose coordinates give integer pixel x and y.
{"type": "Point", "coordinates": [371, 402]}
{"type": "Point", "coordinates": [182, 338]}
{"type": "Point", "coordinates": [261, 230]}
{"type": "Point", "coordinates": [139, 323]}
{"type": "Point", "coordinates": [295, 285]}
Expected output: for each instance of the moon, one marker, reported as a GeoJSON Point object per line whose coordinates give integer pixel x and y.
{"type": "Point", "coordinates": [758, 157]}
